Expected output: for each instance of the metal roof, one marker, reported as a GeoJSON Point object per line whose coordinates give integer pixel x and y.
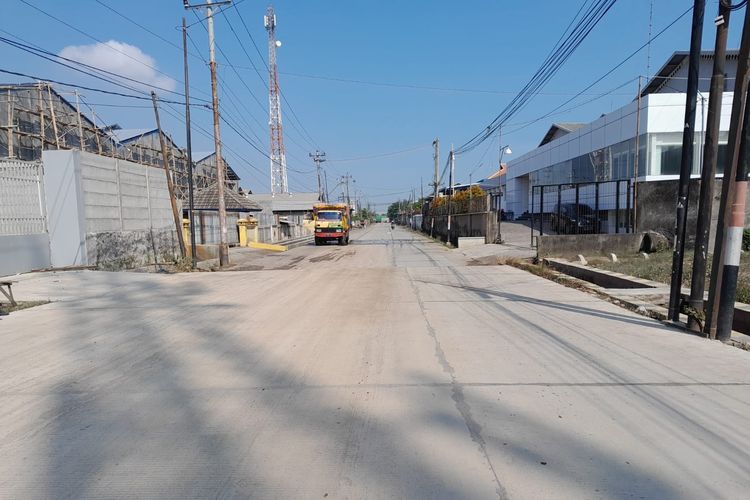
{"type": "Point", "coordinates": [674, 63]}
{"type": "Point", "coordinates": [127, 135]}
{"type": "Point", "coordinates": [566, 127]}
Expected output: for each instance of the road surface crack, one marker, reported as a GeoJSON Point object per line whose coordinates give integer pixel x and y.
{"type": "Point", "coordinates": [457, 394]}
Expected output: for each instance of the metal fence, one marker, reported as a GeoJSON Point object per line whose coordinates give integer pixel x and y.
{"type": "Point", "coordinates": [583, 208]}
{"type": "Point", "coordinates": [22, 205]}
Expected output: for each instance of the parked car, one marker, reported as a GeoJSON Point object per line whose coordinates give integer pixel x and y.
{"type": "Point", "coordinates": [569, 218]}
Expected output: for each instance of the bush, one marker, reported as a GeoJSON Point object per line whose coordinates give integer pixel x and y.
{"type": "Point", "coordinates": [746, 240]}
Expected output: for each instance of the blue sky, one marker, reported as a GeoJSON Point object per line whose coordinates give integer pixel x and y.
{"type": "Point", "coordinates": [475, 56]}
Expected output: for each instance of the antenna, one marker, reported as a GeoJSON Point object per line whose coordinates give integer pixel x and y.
{"type": "Point", "coordinates": [278, 157]}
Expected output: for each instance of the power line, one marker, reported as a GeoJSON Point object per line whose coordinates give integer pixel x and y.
{"type": "Point", "coordinates": [244, 83]}
{"type": "Point", "coordinates": [618, 65]}
{"type": "Point", "coordinates": [92, 89]}
{"type": "Point", "coordinates": [560, 53]}
{"type": "Point", "coordinates": [47, 55]}
{"type": "Point", "coordinates": [381, 155]}
{"type": "Point", "coordinates": [283, 96]}
{"type": "Point", "coordinates": [412, 86]}
{"type": "Point", "coordinates": [88, 35]}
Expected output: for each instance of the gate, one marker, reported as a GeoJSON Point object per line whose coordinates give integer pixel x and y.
{"type": "Point", "coordinates": [22, 205]}
{"type": "Point", "coordinates": [583, 208]}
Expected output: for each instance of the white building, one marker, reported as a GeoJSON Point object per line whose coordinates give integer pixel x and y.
{"type": "Point", "coordinates": [605, 149]}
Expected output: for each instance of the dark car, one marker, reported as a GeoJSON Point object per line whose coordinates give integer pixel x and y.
{"type": "Point", "coordinates": [569, 218]}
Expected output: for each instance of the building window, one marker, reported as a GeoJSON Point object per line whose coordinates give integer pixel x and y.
{"type": "Point", "coordinates": [669, 158]}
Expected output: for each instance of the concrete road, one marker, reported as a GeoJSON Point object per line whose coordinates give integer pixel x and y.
{"type": "Point", "coordinates": [385, 369]}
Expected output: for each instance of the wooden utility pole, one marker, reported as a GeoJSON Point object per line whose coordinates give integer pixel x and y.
{"type": "Point", "coordinates": [730, 170]}
{"type": "Point", "coordinates": [96, 132]}
{"type": "Point", "coordinates": [80, 124]}
{"type": "Point", "coordinates": [223, 240]}
{"type": "Point", "coordinates": [686, 165]}
{"type": "Point", "coordinates": [710, 158]}
{"type": "Point", "coordinates": [10, 126]}
{"type": "Point", "coordinates": [41, 114]}
{"type": "Point", "coordinates": [52, 114]}
{"type": "Point", "coordinates": [191, 215]}
{"type": "Point", "coordinates": [170, 185]}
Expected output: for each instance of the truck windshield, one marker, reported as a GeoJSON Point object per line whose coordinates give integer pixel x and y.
{"type": "Point", "coordinates": [329, 215]}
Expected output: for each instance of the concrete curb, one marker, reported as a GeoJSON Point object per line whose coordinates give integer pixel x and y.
{"type": "Point", "coordinates": [593, 279]}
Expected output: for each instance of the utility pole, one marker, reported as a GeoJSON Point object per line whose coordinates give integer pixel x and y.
{"type": "Point", "coordinates": [10, 126]}
{"type": "Point", "coordinates": [710, 158]}
{"type": "Point", "coordinates": [223, 241]}
{"type": "Point", "coordinates": [452, 159]}
{"type": "Point", "coordinates": [686, 166]}
{"type": "Point", "coordinates": [637, 155]}
{"type": "Point", "coordinates": [52, 114]}
{"type": "Point", "coordinates": [325, 182]}
{"type": "Point", "coordinates": [80, 123]}
{"type": "Point", "coordinates": [436, 161]}
{"type": "Point", "coordinates": [170, 184]}
{"type": "Point", "coordinates": [319, 157]}
{"type": "Point", "coordinates": [345, 179]}
{"type": "Point", "coordinates": [730, 170]}
{"type": "Point", "coordinates": [191, 216]}
{"type": "Point", "coordinates": [734, 225]}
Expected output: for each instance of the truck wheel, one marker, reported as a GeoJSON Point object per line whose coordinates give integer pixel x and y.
{"type": "Point", "coordinates": [341, 241]}
{"type": "Point", "coordinates": [318, 242]}
{"type": "Point", "coordinates": [346, 240]}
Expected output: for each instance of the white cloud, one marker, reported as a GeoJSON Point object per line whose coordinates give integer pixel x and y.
{"type": "Point", "coordinates": [121, 58]}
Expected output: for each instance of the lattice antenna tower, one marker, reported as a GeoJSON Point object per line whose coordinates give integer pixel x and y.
{"type": "Point", "coordinates": [278, 157]}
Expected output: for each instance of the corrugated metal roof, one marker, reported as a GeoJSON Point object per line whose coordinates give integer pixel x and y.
{"type": "Point", "coordinates": [675, 62]}
{"type": "Point", "coordinates": [566, 127]}
{"type": "Point", "coordinates": [125, 135]}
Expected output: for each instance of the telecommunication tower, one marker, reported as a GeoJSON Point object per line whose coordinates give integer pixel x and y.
{"type": "Point", "coordinates": [278, 158]}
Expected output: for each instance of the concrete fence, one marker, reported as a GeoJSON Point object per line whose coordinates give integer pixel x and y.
{"type": "Point", "coordinates": [107, 212]}
{"type": "Point", "coordinates": [477, 220]}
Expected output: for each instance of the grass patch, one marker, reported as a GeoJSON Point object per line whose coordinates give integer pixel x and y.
{"type": "Point", "coordinates": [658, 267]}
{"type": "Point", "coordinates": [7, 308]}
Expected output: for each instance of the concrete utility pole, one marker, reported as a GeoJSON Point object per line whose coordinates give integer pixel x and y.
{"type": "Point", "coordinates": [319, 157]}
{"type": "Point", "coordinates": [734, 226]}
{"type": "Point", "coordinates": [325, 184]}
{"type": "Point", "coordinates": [223, 240]}
{"type": "Point", "coordinates": [191, 215]}
{"type": "Point", "coordinates": [637, 155]}
{"type": "Point", "coordinates": [436, 161]}
{"type": "Point", "coordinates": [730, 170]}
{"type": "Point", "coordinates": [345, 180]}
{"type": "Point", "coordinates": [710, 158]}
{"type": "Point", "coordinates": [686, 166]}
{"type": "Point", "coordinates": [170, 184]}
{"type": "Point", "coordinates": [452, 159]}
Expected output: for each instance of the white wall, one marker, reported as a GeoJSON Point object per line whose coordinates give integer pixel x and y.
{"type": "Point", "coordinates": [90, 195]}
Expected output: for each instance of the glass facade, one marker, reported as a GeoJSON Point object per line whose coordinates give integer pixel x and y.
{"type": "Point", "coordinates": [660, 154]}
{"type": "Point", "coordinates": [666, 153]}
{"type": "Point", "coordinates": [606, 164]}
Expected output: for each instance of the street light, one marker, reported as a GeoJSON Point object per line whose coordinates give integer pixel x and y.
{"type": "Point", "coordinates": [504, 150]}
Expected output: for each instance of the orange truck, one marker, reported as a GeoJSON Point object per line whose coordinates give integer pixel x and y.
{"type": "Point", "coordinates": [332, 223]}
